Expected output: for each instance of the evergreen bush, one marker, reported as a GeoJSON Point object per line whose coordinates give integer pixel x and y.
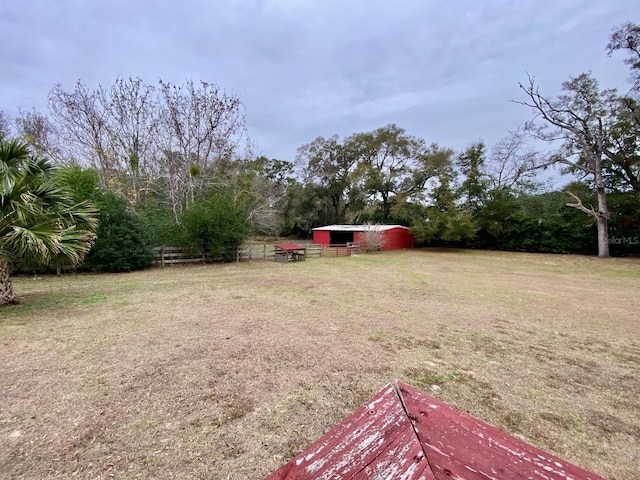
{"type": "Point", "coordinates": [214, 226]}
{"type": "Point", "coordinates": [122, 240]}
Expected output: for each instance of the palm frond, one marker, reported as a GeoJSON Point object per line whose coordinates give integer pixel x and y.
{"type": "Point", "coordinates": [39, 218]}
{"type": "Point", "coordinates": [74, 245]}
{"type": "Point", "coordinates": [38, 242]}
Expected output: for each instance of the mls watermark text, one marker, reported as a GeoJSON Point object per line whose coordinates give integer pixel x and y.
{"type": "Point", "coordinates": [624, 240]}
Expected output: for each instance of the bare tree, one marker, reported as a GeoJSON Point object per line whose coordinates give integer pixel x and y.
{"type": "Point", "coordinates": [83, 126]}
{"type": "Point", "coordinates": [113, 129]}
{"type": "Point", "coordinates": [582, 120]}
{"type": "Point", "coordinates": [5, 126]}
{"type": "Point", "coordinates": [511, 162]}
{"type": "Point", "coordinates": [132, 117]}
{"type": "Point", "coordinates": [40, 134]}
{"type": "Point", "coordinates": [372, 238]}
{"type": "Point", "coordinates": [260, 187]}
{"type": "Point", "coordinates": [201, 125]}
{"type": "Point", "coordinates": [138, 136]}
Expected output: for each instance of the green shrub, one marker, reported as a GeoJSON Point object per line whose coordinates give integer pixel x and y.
{"type": "Point", "coordinates": [84, 183]}
{"type": "Point", "coordinates": [163, 228]}
{"type": "Point", "coordinates": [624, 224]}
{"type": "Point", "coordinates": [122, 242]}
{"type": "Point", "coordinates": [539, 223]}
{"type": "Point", "coordinates": [215, 226]}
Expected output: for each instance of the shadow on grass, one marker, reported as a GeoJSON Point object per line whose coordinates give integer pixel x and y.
{"type": "Point", "coordinates": [30, 304]}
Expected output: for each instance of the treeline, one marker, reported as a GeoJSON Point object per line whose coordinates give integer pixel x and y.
{"type": "Point", "coordinates": [173, 164]}
{"type": "Point", "coordinates": [475, 198]}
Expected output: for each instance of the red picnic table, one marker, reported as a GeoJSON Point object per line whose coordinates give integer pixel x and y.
{"type": "Point", "coordinates": [290, 252]}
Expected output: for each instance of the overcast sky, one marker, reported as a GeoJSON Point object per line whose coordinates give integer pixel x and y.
{"type": "Point", "coordinates": [443, 70]}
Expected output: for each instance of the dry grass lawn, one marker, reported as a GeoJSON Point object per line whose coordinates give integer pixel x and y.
{"type": "Point", "coordinates": [228, 371]}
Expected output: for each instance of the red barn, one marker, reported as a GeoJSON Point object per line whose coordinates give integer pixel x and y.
{"type": "Point", "coordinates": [394, 237]}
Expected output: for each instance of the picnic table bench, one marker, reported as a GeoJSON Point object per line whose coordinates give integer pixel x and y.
{"type": "Point", "coordinates": [290, 252]}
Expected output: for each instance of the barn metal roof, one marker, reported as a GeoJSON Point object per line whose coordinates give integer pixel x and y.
{"type": "Point", "coordinates": [402, 433]}
{"type": "Point", "coordinates": [359, 228]}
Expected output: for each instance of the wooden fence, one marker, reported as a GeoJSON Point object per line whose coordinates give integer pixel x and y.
{"type": "Point", "coordinates": [340, 250]}
{"type": "Point", "coordinates": [246, 253]}
{"type": "Point", "coordinates": [165, 255]}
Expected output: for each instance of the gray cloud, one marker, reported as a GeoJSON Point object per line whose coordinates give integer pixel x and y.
{"type": "Point", "coordinates": [444, 71]}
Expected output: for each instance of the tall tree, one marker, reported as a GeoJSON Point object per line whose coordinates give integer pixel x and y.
{"type": "Point", "coordinates": [82, 121]}
{"type": "Point", "coordinates": [392, 163]}
{"type": "Point", "coordinates": [328, 164]}
{"type": "Point", "coordinates": [378, 176]}
{"type": "Point", "coordinates": [621, 165]}
{"type": "Point", "coordinates": [133, 116]}
{"type": "Point", "coordinates": [474, 188]}
{"type": "Point", "coordinates": [114, 129]}
{"type": "Point", "coordinates": [445, 221]}
{"type": "Point", "coordinates": [624, 167]}
{"type": "Point", "coordinates": [626, 38]}
{"type": "Point", "coordinates": [581, 119]}
{"type": "Point", "coordinates": [39, 219]}
{"type": "Point", "coordinates": [141, 137]}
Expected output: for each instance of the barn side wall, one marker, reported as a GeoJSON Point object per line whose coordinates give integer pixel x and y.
{"type": "Point", "coordinates": [321, 237]}
{"type": "Point", "coordinates": [394, 239]}
{"type": "Point", "coordinates": [397, 238]}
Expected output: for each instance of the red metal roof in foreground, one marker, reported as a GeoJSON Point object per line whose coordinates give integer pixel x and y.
{"type": "Point", "coordinates": [402, 433]}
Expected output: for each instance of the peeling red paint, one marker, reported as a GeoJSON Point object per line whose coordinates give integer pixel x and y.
{"type": "Point", "coordinates": [402, 433]}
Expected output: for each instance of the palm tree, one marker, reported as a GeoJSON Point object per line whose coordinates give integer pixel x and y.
{"type": "Point", "coordinates": [39, 219]}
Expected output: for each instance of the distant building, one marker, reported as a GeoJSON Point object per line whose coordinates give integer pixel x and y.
{"type": "Point", "coordinates": [393, 237]}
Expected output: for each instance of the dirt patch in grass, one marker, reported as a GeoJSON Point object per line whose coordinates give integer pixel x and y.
{"type": "Point", "coordinates": [229, 371]}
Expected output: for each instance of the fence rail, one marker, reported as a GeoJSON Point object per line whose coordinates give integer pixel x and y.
{"type": "Point", "coordinates": [340, 250]}
{"type": "Point", "coordinates": [166, 255]}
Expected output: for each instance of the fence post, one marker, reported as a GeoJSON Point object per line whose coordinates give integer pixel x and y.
{"type": "Point", "coordinates": [162, 256]}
